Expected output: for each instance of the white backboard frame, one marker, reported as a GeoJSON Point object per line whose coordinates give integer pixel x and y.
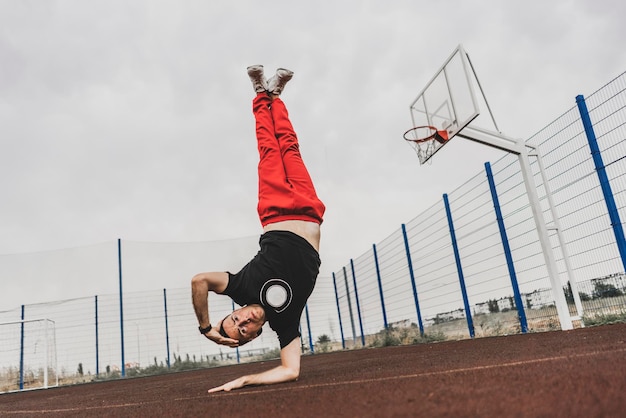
{"type": "Point", "coordinates": [447, 102]}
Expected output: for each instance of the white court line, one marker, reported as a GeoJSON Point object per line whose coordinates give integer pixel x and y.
{"type": "Point", "coordinates": [266, 389]}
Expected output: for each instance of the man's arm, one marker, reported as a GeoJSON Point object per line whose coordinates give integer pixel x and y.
{"type": "Point", "coordinates": [201, 284]}
{"type": "Point", "coordinates": [288, 370]}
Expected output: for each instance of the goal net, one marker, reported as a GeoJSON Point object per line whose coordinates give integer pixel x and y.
{"type": "Point", "coordinates": [28, 357]}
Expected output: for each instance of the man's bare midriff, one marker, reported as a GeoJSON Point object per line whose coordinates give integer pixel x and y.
{"type": "Point", "coordinates": [310, 231]}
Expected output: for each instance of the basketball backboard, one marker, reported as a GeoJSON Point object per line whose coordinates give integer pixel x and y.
{"type": "Point", "coordinates": [448, 102]}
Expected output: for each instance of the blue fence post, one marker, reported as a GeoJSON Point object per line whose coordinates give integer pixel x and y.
{"type": "Point", "coordinates": [22, 351]}
{"type": "Point", "coordinates": [119, 264]}
{"type": "Point", "coordinates": [167, 328]}
{"type": "Point", "coordinates": [343, 341]}
{"type": "Point", "coordinates": [308, 326]}
{"type": "Point", "coordinates": [232, 304]}
{"type": "Point", "coordinates": [609, 198]}
{"type": "Point", "coordinates": [457, 258]}
{"type": "Point", "coordinates": [380, 287]}
{"type": "Point", "coordinates": [412, 275]}
{"type": "Point", "coordinates": [507, 250]}
{"type": "Point", "coordinates": [97, 340]}
{"type": "Point", "coordinates": [358, 305]}
{"type": "Point", "coordinates": [345, 279]}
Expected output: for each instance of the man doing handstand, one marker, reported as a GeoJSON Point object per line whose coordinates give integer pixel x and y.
{"type": "Point", "coordinates": [276, 284]}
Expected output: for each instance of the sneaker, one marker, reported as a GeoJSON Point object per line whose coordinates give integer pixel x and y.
{"type": "Point", "coordinates": [276, 84]}
{"type": "Point", "coordinates": [255, 72]}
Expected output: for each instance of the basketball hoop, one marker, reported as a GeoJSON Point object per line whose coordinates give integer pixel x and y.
{"type": "Point", "coordinates": [421, 134]}
{"type": "Point", "coordinates": [426, 140]}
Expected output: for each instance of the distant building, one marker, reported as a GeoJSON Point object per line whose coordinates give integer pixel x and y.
{"type": "Point", "coordinates": [481, 308]}
{"type": "Point", "coordinates": [405, 323]}
{"type": "Point", "coordinates": [617, 280]}
{"type": "Point", "coordinates": [449, 316]}
{"type": "Point", "coordinates": [506, 304]}
{"type": "Point", "coordinates": [538, 299]}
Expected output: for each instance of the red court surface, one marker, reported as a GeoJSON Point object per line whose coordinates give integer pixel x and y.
{"type": "Point", "coordinates": [578, 373]}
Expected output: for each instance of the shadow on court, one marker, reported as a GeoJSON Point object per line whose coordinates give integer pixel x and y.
{"type": "Point", "coordinates": [578, 373]}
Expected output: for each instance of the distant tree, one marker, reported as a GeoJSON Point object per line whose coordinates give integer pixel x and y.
{"type": "Point", "coordinates": [493, 306]}
{"type": "Point", "coordinates": [569, 295]}
{"type": "Point", "coordinates": [80, 369]}
{"type": "Point", "coordinates": [605, 290]}
{"type": "Point", "coordinates": [529, 303]}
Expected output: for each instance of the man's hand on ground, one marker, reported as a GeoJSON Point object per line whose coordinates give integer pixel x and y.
{"type": "Point", "coordinates": [227, 387]}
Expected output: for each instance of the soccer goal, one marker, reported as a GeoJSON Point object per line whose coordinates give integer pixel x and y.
{"type": "Point", "coordinates": [28, 356]}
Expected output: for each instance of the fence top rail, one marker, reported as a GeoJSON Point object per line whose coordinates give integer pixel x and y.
{"type": "Point", "coordinates": [27, 320]}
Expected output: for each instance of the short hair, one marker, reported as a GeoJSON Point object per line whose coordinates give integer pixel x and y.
{"type": "Point", "coordinates": [225, 335]}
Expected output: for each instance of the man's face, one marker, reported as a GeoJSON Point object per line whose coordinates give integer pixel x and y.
{"type": "Point", "coordinates": [244, 324]}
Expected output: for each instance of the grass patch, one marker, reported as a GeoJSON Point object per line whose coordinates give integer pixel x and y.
{"type": "Point", "coordinates": [404, 336]}
{"type": "Point", "coordinates": [605, 319]}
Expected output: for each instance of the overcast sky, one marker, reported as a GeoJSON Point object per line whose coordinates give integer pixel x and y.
{"type": "Point", "coordinates": [132, 119]}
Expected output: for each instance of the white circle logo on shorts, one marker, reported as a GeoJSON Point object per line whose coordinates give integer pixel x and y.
{"type": "Point", "coordinates": [277, 294]}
